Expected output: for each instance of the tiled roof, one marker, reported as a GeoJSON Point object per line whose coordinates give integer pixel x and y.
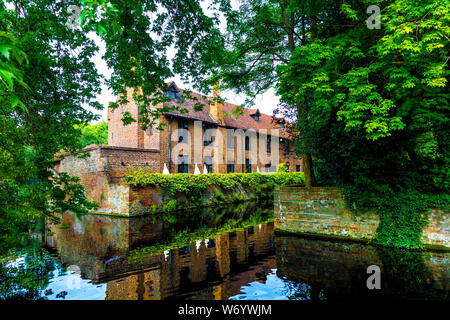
{"type": "Point", "coordinates": [245, 121]}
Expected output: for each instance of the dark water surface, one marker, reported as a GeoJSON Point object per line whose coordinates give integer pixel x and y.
{"type": "Point", "coordinates": [97, 257]}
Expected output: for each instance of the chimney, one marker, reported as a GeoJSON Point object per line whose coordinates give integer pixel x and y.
{"type": "Point", "coordinates": [216, 107]}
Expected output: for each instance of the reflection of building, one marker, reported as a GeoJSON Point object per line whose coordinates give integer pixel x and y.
{"type": "Point", "coordinates": [253, 132]}
{"type": "Point", "coordinates": [187, 270]}
{"type": "Point", "coordinates": [205, 268]}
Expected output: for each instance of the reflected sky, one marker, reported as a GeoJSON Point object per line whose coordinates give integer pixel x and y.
{"type": "Point", "coordinates": [274, 288]}
{"type": "Point", "coordinates": [247, 264]}
{"type": "Point", "coordinates": [71, 286]}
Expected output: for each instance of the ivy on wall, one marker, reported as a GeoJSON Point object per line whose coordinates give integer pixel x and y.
{"type": "Point", "coordinates": [197, 183]}
{"type": "Point", "coordinates": [403, 215]}
{"type": "Point", "coordinates": [229, 188]}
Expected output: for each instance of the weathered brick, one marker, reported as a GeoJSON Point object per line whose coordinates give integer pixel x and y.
{"type": "Point", "coordinates": [322, 211]}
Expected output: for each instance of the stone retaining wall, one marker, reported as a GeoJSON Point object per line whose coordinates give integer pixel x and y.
{"type": "Point", "coordinates": [102, 172]}
{"type": "Point", "coordinates": [321, 212]}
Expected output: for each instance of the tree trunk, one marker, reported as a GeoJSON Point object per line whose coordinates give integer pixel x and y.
{"type": "Point", "coordinates": [289, 28]}
{"type": "Point", "coordinates": [310, 180]}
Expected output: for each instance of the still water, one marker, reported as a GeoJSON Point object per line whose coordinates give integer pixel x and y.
{"type": "Point", "coordinates": [99, 257]}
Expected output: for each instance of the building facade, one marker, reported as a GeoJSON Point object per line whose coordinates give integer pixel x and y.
{"type": "Point", "coordinates": [212, 139]}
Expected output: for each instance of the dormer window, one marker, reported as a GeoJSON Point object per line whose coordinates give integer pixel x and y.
{"type": "Point", "coordinates": [255, 114]}
{"type": "Point", "coordinates": [173, 93]}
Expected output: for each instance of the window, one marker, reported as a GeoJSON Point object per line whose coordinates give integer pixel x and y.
{"type": "Point", "coordinates": [286, 147]}
{"type": "Point", "coordinates": [268, 141]}
{"type": "Point", "coordinates": [230, 167]}
{"type": "Point", "coordinates": [183, 164]}
{"type": "Point", "coordinates": [297, 168]}
{"type": "Point", "coordinates": [248, 166]}
{"type": "Point", "coordinates": [206, 140]}
{"type": "Point", "coordinates": [209, 164]}
{"type": "Point", "coordinates": [184, 250]}
{"type": "Point", "coordinates": [150, 130]}
{"type": "Point", "coordinates": [256, 117]}
{"type": "Point", "coordinates": [182, 124]}
{"type": "Point", "coordinates": [247, 143]}
{"type": "Point", "coordinates": [230, 139]}
{"type": "Point", "coordinates": [211, 243]}
{"type": "Point", "coordinates": [173, 93]}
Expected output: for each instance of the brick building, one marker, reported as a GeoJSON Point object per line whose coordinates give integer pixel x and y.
{"type": "Point", "coordinates": [210, 139]}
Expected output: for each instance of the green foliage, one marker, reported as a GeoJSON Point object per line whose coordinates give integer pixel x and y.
{"type": "Point", "coordinates": [217, 198]}
{"type": "Point", "coordinates": [93, 134]}
{"type": "Point", "coordinates": [372, 108]}
{"type": "Point", "coordinates": [169, 211]}
{"type": "Point", "coordinates": [282, 167]}
{"type": "Point", "coordinates": [47, 77]}
{"type": "Point", "coordinates": [403, 215]}
{"type": "Point", "coordinates": [405, 275]}
{"type": "Point", "coordinates": [230, 188]}
{"type": "Point", "coordinates": [376, 100]}
{"type": "Point", "coordinates": [182, 182]}
{"type": "Point", "coordinates": [138, 35]}
{"type": "Point", "coordinates": [193, 185]}
{"type": "Point", "coordinates": [11, 58]}
{"type": "Point", "coordinates": [24, 273]}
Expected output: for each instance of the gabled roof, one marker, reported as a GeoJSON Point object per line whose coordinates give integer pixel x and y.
{"type": "Point", "coordinates": [245, 121]}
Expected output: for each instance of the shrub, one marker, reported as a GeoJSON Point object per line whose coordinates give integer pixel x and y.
{"type": "Point", "coordinates": [282, 167]}
{"type": "Point", "coordinates": [194, 186]}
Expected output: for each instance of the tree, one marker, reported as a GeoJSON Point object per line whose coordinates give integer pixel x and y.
{"type": "Point", "coordinates": [138, 35]}
{"type": "Point", "coordinates": [49, 77]}
{"type": "Point", "coordinates": [377, 99]}
{"type": "Point", "coordinates": [41, 100]}
{"type": "Point", "coordinates": [262, 36]}
{"type": "Point", "coordinates": [94, 134]}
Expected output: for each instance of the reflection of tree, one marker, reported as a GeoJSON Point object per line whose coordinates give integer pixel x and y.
{"type": "Point", "coordinates": [297, 291]}
{"type": "Point", "coordinates": [406, 276]}
{"type": "Point", "coordinates": [25, 273]}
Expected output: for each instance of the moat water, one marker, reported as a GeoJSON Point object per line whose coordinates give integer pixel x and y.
{"type": "Point", "coordinates": [99, 257]}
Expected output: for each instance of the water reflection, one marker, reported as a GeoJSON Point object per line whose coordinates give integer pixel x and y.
{"type": "Point", "coordinates": [338, 270]}
{"type": "Point", "coordinates": [205, 269]}
{"type": "Point", "coordinates": [98, 257]}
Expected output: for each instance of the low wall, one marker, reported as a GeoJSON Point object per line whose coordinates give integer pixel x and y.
{"type": "Point", "coordinates": [101, 174]}
{"type": "Point", "coordinates": [102, 171]}
{"type": "Point", "coordinates": [321, 212]}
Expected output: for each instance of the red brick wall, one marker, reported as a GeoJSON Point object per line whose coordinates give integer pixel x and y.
{"type": "Point", "coordinates": [118, 134]}
{"type": "Point", "coordinates": [322, 212]}
{"type": "Point", "coordinates": [133, 136]}
{"type": "Point", "coordinates": [102, 171]}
